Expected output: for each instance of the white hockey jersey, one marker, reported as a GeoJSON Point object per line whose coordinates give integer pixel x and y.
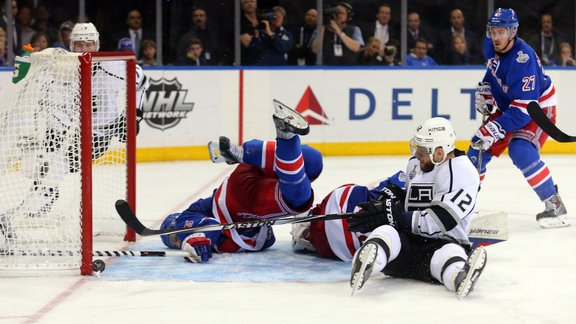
{"type": "Point", "coordinates": [442, 200]}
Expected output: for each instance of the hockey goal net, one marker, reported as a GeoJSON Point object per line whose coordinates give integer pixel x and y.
{"type": "Point", "coordinates": [67, 153]}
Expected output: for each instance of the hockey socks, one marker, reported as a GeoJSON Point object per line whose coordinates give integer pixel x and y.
{"type": "Point", "coordinates": [289, 165]}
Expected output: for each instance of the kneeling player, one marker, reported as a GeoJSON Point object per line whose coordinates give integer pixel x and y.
{"type": "Point", "coordinates": [271, 180]}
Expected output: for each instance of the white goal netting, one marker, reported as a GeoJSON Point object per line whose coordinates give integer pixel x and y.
{"type": "Point", "coordinates": [41, 201]}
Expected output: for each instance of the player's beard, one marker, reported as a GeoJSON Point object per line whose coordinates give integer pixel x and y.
{"type": "Point", "coordinates": [426, 166]}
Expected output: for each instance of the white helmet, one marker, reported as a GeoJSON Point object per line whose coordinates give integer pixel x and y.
{"type": "Point", "coordinates": [85, 32]}
{"type": "Point", "coordinates": [433, 133]}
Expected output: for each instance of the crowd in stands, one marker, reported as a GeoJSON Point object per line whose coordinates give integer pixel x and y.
{"type": "Point", "coordinates": [268, 39]}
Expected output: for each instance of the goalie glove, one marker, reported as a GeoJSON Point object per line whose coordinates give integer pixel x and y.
{"type": "Point", "coordinates": [483, 100]}
{"type": "Point", "coordinates": [488, 134]}
{"type": "Point", "coordinates": [375, 213]}
{"type": "Point", "coordinates": [199, 247]}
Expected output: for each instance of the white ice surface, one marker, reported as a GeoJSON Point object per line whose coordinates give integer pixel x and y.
{"type": "Point", "coordinates": [529, 279]}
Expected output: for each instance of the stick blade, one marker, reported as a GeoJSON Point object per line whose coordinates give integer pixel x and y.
{"type": "Point", "coordinates": [540, 118]}
{"type": "Point", "coordinates": [128, 216]}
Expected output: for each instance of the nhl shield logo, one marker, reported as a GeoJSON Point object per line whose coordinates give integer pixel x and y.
{"type": "Point", "coordinates": [164, 104]}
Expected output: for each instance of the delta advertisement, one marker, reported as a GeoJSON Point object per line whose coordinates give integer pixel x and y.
{"type": "Point", "coordinates": [350, 111]}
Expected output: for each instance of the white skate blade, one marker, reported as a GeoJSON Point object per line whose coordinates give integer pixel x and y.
{"type": "Point", "coordinates": [554, 222]}
{"type": "Point", "coordinates": [296, 120]}
{"type": "Point", "coordinates": [214, 151]}
{"type": "Point", "coordinates": [367, 257]}
{"type": "Point", "coordinates": [476, 261]}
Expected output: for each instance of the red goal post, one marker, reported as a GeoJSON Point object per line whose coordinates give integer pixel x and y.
{"type": "Point", "coordinates": [86, 70]}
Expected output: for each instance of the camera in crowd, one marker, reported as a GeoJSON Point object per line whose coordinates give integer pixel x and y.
{"type": "Point", "coordinates": [267, 15]}
{"type": "Point", "coordinates": [390, 50]}
{"type": "Point", "coordinates": [328, 14]}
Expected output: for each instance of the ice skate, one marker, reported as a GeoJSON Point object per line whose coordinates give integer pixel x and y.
{"type": "Point", "coordinates": [223, 151]}
{"type": "Point", "coordinates": [555, 213]}
{"type": "Point", "coordinates": [300, 234]}
{"type": "Point", "coordinates": [362, 264]}
{"type": "Point", "coordinates": [288, 122]}
{"type": "Point", "coordinates": [466, 279]}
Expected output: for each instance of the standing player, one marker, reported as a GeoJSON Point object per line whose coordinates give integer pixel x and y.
{"type": "Point", "coordinates": [514, 78]}
{"type": "Point", "coordinates": [271, 180]}
{"type": "Point", "coordinates": [42, 159]}
{"type": "Point", "coordinates": [428, 241]}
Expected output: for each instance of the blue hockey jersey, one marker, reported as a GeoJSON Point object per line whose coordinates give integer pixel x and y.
{"type": "Point", "coordinates": [517, 78]}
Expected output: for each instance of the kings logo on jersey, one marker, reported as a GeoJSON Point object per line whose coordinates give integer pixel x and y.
{"type": "Point", "coordinates": [164, 104]}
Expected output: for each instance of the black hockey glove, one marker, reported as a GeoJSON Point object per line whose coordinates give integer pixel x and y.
{"type": "Point", "coordinates": [392, 191]}
{"type": "Point", "coordinates": [375, 213]}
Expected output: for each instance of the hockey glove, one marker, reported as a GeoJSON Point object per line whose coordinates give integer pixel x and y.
{"type": "Point", "coordinates": [483, 100]}
{"type": "Point", "coordinates": [376, 213]}
{"type": "Point", "coordinates": [488, 134]}
{"type": "Point", "coordinates": [199, 247]}
{"type": "Point", "coordinates": [392, 191]}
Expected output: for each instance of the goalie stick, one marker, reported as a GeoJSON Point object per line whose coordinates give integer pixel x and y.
{"type": "Point", "coordinates": [128, 216]}
{"type": "Point", "coordinates": [540, 118]}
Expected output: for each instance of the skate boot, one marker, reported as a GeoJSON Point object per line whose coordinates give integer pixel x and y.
{"type": "Point", "coordinates": [363, 263]}
{"type": "Point", "coordinates": [465, 279]}
{"type": "Point", "coordinates": [288, 122]}
{"type": "Point", "coordinates": [555, 213]}
{"type": "Point", "coordinates": [224, 151]}
{"type": "Point", "coordinates": [300, 238]}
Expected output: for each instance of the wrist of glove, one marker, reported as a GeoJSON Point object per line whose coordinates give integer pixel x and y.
{"type": "Point", "coordinates": [483, 100]}
{"type": "Point", "coordinates": [488, 134]}
{"type": "Point", "coordinates": [375, 213]}
{"type": "Point", "coordinates": [199, 247]}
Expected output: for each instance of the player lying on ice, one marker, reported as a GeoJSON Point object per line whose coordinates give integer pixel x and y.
{"type": "Point", "coordinates": [272, 179]}
{"type": "Point", "coordinates": [412, 226]}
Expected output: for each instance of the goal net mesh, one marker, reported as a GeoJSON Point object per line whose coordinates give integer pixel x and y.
{"type": "Point", "coordinates": [41, 184]}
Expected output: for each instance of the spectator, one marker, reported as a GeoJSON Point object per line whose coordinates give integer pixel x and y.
{"type": "Point", "coordinates": [148, 48]}
{"type": "Point", "coordinates": [64, 35]}
{"type": "Point", "coordinates": [3, 40]}
{"type": "Point", "coordinates": [24, 25]}
{"type": "Point", "coordinates": [340, 41]}
{"type": "Point", "coordinates": [458, 54]}
{"type": "Point", "coordinates": [371, 53]}
{"type": "Point", "coordinates": [444, 42]}
{"type": "Point", "coordinates": [565, 57]}
{"type": "Point", "coordinates": [16, 42]}
{"type": "Point", "coordinates": [248, 29]}
{"type": "Point", "coordinates": [381, 27]}
{"type": "Point", "coordinates": [546, 42]}
{"type": "Point", "coordinates": [419, 56]}
{"type": "Point", "coordinates": [135, 31]}
{"type": "Point", "coordinates": [194, 55]}
{"type": "Point", "coordinates": [202, 31]}
{"type": "Point", "coordinates": [274, 41]}
{"type": "Point", "coordinates": [40, 41]}
{"type": "Point", "coordinates": [416, 31]}
{"type": "Point", "coordinates": [42, 22]}
{"type": "Point", "coordinates": [301, 53]}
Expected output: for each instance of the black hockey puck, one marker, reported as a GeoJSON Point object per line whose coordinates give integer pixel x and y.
{"type": "Point", "coordinates": [98, 265]}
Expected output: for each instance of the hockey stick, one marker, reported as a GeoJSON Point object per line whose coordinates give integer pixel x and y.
{"type": "Point", "coordinates": [115, 253]}
{"type": "Point", "coordinates": [128, 216]}
{"type": "Point", "coordinates": [539, 117]}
